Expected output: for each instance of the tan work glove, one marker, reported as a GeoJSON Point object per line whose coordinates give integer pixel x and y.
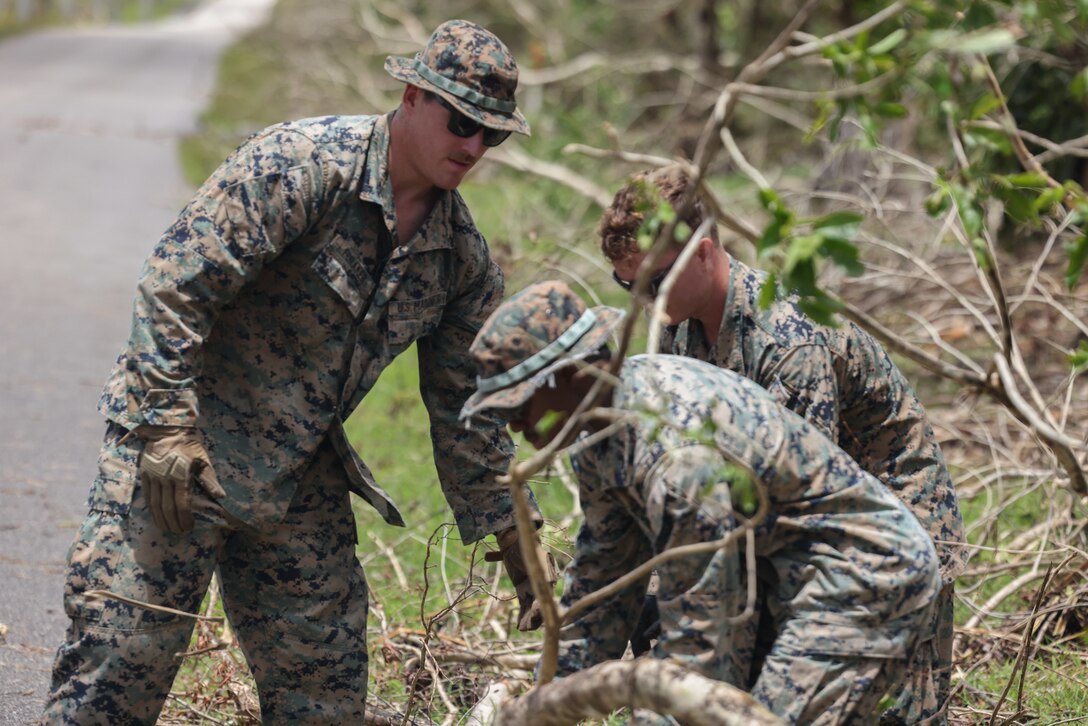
{"type": "Point", "coordinates": [530, 616]}
{"type": "Point", "coordinates": [174, 457]}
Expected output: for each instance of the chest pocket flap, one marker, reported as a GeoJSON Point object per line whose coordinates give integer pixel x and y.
{"type": "Point", "coordinates": [342, 268]}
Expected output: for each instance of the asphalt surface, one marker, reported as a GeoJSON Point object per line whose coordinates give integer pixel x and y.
{"type": "Point", "coordinates": [89, 178]}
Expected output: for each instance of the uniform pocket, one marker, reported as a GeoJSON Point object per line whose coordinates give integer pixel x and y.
{"type": "Point", "coordinates": [112, 490]}
{"type": "Point", "coordinates": [410, 320]}
{"type": "Point", "coordinates": [344, 271]}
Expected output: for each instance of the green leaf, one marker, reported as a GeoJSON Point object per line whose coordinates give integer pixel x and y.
{"type": "Point", "coordinates": [1078, 256]}
{"type": "Point", "coordinates": [984, 42]}
{"type": "Point", "coordinates": [682, 232]}
{"type": "Point", "coordinates": [665, 213]}
{"type": "Point", "coordinates": [549, 422]}
{"type": "Point", "coordinates": [871, 138]}
{"type": "Point", "coordinates": [769, 291]}
{"type": "Point", "coordinates": [823, 113]}
{"type": "Point", "coordinates": [771, 236]}
{"type": "Point", "coordinates": [844, 254]}
{"type": "Point", "coordinates": [972, 219]}
{"type": "Point", "coordinates": [888, 42]}
{"type": "Point", "coordinates": [1079, 87]}
{"type": "Point", "coordinates": [821, 309]}
{"type": "Point", "coordinates": [1047, 199]}
{"type": "Point", "coordinates": [987, 139]}
{"type": "Point", "coordinates": [1029, 179]}
{"type": "Point", "coordinates": [982, 252]}
{"type": "Point", "coordinates": [742, 490]}
{"type": "Point", "coordinates": [968, 209]}
{"type": "Point", "coordinates": [937, 202]}
{"type": "Point", "coordinates": [941, 38]}
{"type": "Point", "coordinates": [769, 199]}
{"type": "Point", "coordinates": [1079, 358]}
{"type": "Point", "coordinates": [888, 109]}
{"type": "Point", "coordinates": [802, 278]}
{"type": "Point", "coordinates": [1020, 206]}
{"type": "Point", "coordinates": [839, 224]}
{"type": "Point", "coordinates": [802, 249]}
{"type": "Point", "coordinates": [988, 102]}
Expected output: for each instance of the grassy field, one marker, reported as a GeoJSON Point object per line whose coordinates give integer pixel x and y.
{"type": "Point", "coordinates": [301, 64]}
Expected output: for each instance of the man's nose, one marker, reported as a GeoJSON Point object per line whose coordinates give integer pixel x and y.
{"type": "Point", "coordinates": [474, 144]}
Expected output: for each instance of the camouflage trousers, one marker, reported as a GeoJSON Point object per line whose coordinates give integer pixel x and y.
{"type": "Point", "coordinates": [925, 691]}
{"type": "Point", "coordinates": [825, 690]}
{"type": "Point", "coordinates": [706, 627]}
{"type": "Point", "coordinates": [294, 593]}
{"type": "Point", "coordinates": [814, 689]}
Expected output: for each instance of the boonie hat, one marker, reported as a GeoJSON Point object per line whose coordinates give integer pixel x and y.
{"type": "Point", "coordinates": [530, 336]}
{"type": "Point", "coordinates": [470, 68]}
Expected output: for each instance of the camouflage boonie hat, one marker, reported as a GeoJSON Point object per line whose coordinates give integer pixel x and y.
{"type": "Point", "coordinates": [469, 67]}
{"type": "Point", "coordinates": [530, 336]}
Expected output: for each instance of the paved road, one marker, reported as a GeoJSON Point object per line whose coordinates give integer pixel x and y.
{"type": "Point", "coordinates": [89, 122]}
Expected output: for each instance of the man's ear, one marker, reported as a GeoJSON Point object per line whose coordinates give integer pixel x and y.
{"type": "Point", "coordinates": [411, 96]}
{"type": "Point", "coordinates": [705, 249]}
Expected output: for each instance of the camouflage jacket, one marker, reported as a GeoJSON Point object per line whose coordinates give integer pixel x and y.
{"type": "Point", "coordinates": [853, 572]}
{"type": "Point", "coordinates": [266, 313]}
{"type": "Point", "coordinates": [844, 382]}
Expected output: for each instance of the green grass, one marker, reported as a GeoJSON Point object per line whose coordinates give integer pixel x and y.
{"type": "Point", "coordinates": [1054, 683]}
{"type": "Point", "coordinates": [391, 432]}
{"type": "Point", "coordinates": [1054, 688]}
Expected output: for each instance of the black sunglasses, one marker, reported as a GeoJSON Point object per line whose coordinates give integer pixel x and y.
{"type": "Point", "coordinates": [465, 127]}
{"type": "Point", "coordinates": [655, 281]}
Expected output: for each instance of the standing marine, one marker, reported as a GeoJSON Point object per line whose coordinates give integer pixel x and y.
{"type": "Point", "coordinates": [315, 254]}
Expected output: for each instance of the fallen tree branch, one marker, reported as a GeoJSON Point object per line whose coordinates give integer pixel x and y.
{"type": "Point", "coordinates": [647, 683]}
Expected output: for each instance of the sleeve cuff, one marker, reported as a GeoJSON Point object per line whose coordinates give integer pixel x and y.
{"type": "Point", "coordinates": [170, 407]}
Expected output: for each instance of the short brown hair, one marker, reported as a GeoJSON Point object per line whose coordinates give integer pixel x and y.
{"type": "Point", "coordinates": [643, 192]}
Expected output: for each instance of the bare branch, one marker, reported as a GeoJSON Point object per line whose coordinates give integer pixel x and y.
{"type": "Point", "coordinates": [640, 63]}
{"type": "Point", "coordinates": [657, 685]}
{"type": "Point", "coordinates": [521, 161]}
{"type": "Point", "coordinates": [1059, 443]}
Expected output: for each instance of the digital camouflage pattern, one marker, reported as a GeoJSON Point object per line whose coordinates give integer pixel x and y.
{"type": "Point", "coordinates": [287, 251]}
{"type": "Point", "coordinates": [845, 569]}
{"type": "Point", "coordinates": [844, 382]}
{"type": "Point", "coordinates": [263, 317]}
{"type": "Point", "coordinates": [295, 593]}
{"type": "Point", "coordinates": [469, 67]}
{"type": "Point", "coordinates": [538, 330]}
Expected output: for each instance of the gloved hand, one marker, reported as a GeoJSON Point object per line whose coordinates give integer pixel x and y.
{"type": "Point", "coordinates": [173, 458]}
{"type": "Point", "coordinates": [530, 616]}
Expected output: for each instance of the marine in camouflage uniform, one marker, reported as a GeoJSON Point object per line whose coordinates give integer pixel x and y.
{"type": "Point", "coordinates": [840, 379]}
{"type": "Point", "coordinates": [319, 251]}
{"type": "Point", "coordinates": [851, 577]}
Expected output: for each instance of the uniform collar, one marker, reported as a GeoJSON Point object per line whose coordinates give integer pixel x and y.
{"type": "Point", "coordinates": [437, 232]}
{"type": "Point", "coordinates": [375, 186]}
